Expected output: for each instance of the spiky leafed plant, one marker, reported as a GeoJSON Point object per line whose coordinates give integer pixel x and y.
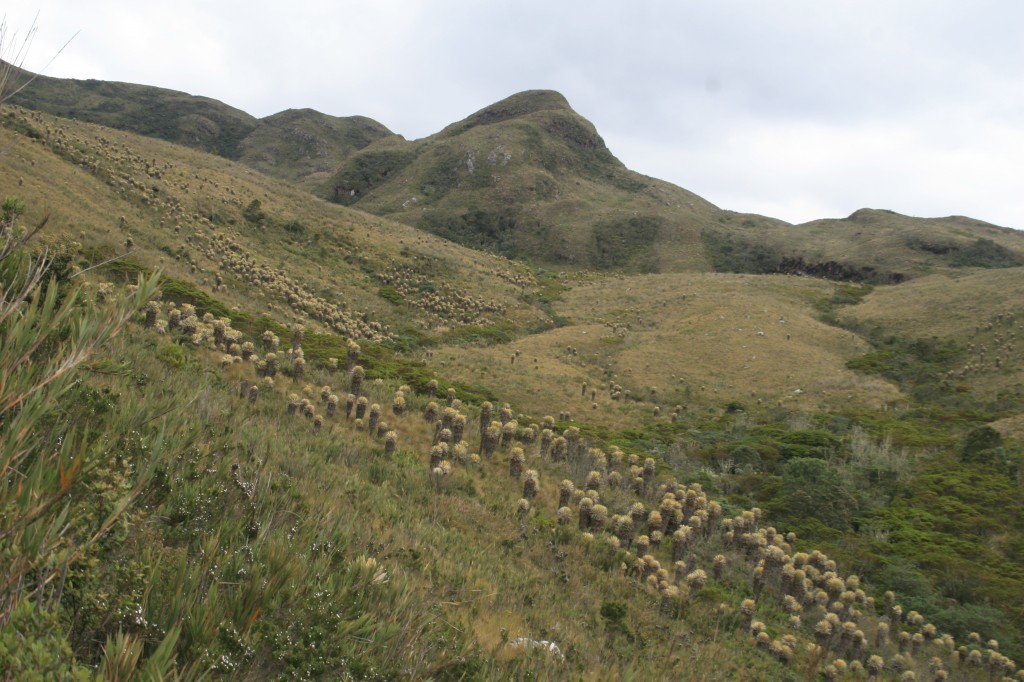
{"type": "Point", "coordinates": [624, 530]}
{"type": "Point", "coordinates": [371, 424]}
{"type": "Point", "coordinates": [509, 430]}
{"type": "Point", "coordinates": [48, 330]}
{"type": "Point", "coordinates": [559, 449]}
{"type": "Point", "coordinates": [352, 354]}
{"type": "Point", "coordinates": [398, 405]}
{"type": "Point", "coordinates": [430, 412]}
{"type": "Point", "coordinates": [680, 541]}
{"type": "Point", "coordinates": [390, 442]}
{"type": "Point", "coordinates": [598, 517]}
{"type": "Point", "coordinates": [643, 545]}
{"type": "Point", "coordinates": [875, 666]}
{"type": "Point", "coordinates": [718, 567]}
{"type": "Point", "coordinates": [485, 417]}
{"type": "Point", "coordinates": [438, 453]}
{"type": "Point", "coordinates": [565, 491]}
{"type": "Point", "coordinates": [458, 427]}
{"type": "Point", "coordinates": [270, 342]}
{"type": "Point", "coordinates": [516, 462]}
{"type": "Point", "coordinates": [546, 437]}
{"type": "Point", "coordinates": [361, 404]}
{"type": "Point", "coordinates": [490, 440]}
{"type": "Point", "coordinates": [747, 609]}
{"type": "Point", "coordinates": [696, 580]}
{"type": "Point", "coordinates": [152, 310]}
{"type": "Point", "coordinates": [531, 481]}
{"type": "Point", "coordinates": [356, 380]}
{"type": "Point", "coordinates": [586, 506]}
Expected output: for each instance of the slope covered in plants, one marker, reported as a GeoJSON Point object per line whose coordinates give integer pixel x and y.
{"type": "Point", "coordinates": [290, 454]}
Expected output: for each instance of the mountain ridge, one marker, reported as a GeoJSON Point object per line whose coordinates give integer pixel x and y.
{"type": "Point", "coordinates": [528, 177]}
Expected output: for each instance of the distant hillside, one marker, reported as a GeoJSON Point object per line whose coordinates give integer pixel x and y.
{"type": "Point", "coordinates": [874, 246]}
{"type": "Point", "coordinates": [294, 145]}
{"type": "Point", "coordinates": [259, 243]}
{"type": "Point", "coordinates": [529, 178]}
{"type": "Point", "coordinates": [198, 122]}
{"type": "Point", "coordinates": [305, 146]}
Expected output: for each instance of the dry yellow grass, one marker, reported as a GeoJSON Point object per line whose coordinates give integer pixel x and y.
{"type": "Point", "coordinates": [175, 202]}
{"type": "Point", "coordinates": [700, 340]}
{"type": "Point", "coordinates": [982, 311]}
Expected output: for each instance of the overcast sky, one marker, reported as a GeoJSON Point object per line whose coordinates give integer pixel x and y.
{"type": "Point", "coordinates": [797, 110]}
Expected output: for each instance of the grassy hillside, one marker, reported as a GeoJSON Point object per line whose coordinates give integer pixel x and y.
{"type": "Point", "coordinates": [529, 177]}
{"type": "Point", "coordinates": [193, 121]}
{"type": "Point", "coordinates": [974, 338]}
{"type": "Point", "coordinates": [170, 520]}
{"type": "Point", "coordinates": [703, 341]}
{"type": "Point", "coordinates": [274, 537]}
{"type": "Point", "coordinates": [874, 246]}
{"type": "Point", "coordinates": [258, 243]}
{"type": "Point", "coordinates": [302, 146]}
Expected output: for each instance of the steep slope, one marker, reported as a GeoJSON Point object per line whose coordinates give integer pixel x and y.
{"type": "Point", "coordinates": [260, 244]}
{"type": "Point", "coordinates": [529, 178]}
{"type": "Point", "coordinates": [974, 318]}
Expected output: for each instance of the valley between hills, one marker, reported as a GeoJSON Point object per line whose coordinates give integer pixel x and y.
{"type": "Point", "coordinates": [298, 398]}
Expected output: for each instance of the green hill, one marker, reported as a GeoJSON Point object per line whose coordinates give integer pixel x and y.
{"type": "Point", "coordinates": [305, 146]}
{"type": "Point", "coordinates": [531, 178]}
{"type": "Point", "coordinates": [875, 246]}
{"type": "Point", "coordinates": [297, 145]}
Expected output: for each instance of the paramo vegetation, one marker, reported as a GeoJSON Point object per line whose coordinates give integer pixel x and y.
{"type": "Point", "coordinates": [248, 434]}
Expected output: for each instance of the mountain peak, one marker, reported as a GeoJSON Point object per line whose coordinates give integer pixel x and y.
{"type": "Point", "coordinates": [517, 106]}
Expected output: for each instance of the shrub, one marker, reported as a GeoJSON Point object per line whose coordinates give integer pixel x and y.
{"type": "Point", "coordinates": [172, 354]}
{"type": "Point", "coordinates": [979, 444]}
